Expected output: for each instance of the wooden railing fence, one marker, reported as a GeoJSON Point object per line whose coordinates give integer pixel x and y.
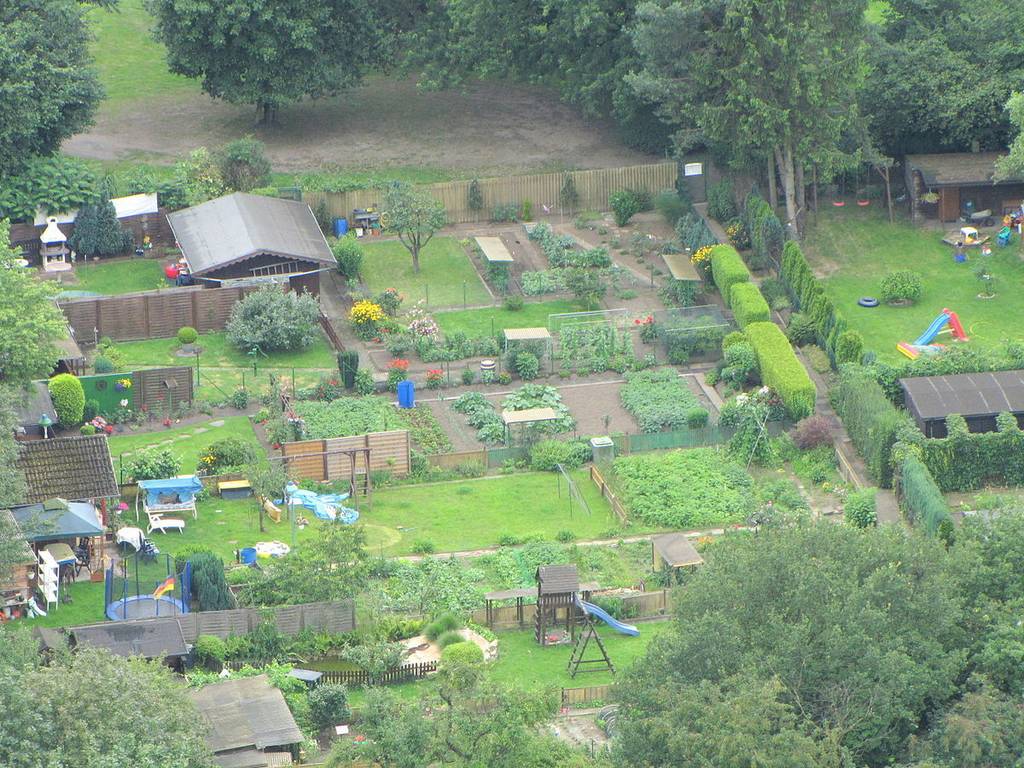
{"type": "Point", "coordinates": [608, 493]}
{"type": "Point", "coordinates": [401, 674]}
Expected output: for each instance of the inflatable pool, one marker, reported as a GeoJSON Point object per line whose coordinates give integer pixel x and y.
{"type": "Point", "coordinates": [326, 506]}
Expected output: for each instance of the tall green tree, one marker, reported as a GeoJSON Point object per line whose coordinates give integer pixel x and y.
{"type": "Point", "coordinates": [414, 215]}
{"type": "Point", "coordinates": [90, 708]}
{"type": "Point", "coordinates": [271, 53]}
{"type": "Point", "coordinates": [48, 87]}
{"type": "Point", "coordinates": [1012, 164]}
{"type": "Point", "coordinates": [98, 232]}
{"type": "Point", "coordinates": [757, 80]}
{"type": "Point", "coordinates": [30, 319]}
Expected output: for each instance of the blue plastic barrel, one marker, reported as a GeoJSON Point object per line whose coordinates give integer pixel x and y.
{"type": "Point", "coordinates": [340, 227]}
{"type": "Point", "coordinates": [248, 555]}
{"type": "Point", "coordinates": [406, 394]}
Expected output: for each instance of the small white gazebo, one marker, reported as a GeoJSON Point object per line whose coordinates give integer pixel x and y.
{"type": "Point", "coordinates": [54, 248]}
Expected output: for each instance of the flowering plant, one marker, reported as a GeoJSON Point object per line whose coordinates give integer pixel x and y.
{"type": "Point", "coordinates": [390, 300]}
{"type": "Point", "coordinates": [648, 329]}
{"type": "Point", "coordinates": [435, 376]}
{"type": "Point", "coordinates": [399, 364]}
{"type": "Point", "coordinates": [422, 324]}
{"type": "Point", "coordinates": [366, 311]}
{"type": "Point", "coordinates": [122, 384]}
{"type": "Point", "coordinates": [701, 259]}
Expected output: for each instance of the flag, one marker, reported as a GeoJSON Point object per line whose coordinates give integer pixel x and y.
{"type": "Point", "coordinates": [167, 586]}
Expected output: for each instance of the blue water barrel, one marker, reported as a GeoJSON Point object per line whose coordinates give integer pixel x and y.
{"type": "Point", "coordinates": [340, 227]}
{"type": "Point", "coordinates": [248, 555]}
{"type": "Point", "coordinates": [406, 394]}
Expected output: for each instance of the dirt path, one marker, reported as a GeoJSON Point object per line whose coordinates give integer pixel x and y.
{"type": "Point", "coordinates": [488, 128]}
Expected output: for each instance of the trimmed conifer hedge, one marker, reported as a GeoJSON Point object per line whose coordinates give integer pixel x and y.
{"type": "Point", "coordinates": [781, 370]}
{"type": "Point", "coordinates": [727, 269]}
{"type": "Point", "coordinates": [748, 305]}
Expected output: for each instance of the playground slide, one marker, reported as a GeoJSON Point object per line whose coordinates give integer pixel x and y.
{"type": "Point", "coordinates": [618, 626]}
{"type": "Point", "coordinates": [933, 330]}
{"type": "Point", "coordinates": [954, 324]}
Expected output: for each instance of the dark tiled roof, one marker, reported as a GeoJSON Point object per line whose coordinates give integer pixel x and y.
{"type": "Point", "coordinates": [957, 168]}
{"type": "Point", "coordinates": [236, 227]}
{"type": "Point", "coordinates": [152, 639]}
{"type": "Point", "coordinates": [72, 468]}
{"type": "Point", "coordinates": [246, 713]}
{"type": "Point", "coordinates": [554, 579]}
{"type": "Point", "coordinates": [966, 394]}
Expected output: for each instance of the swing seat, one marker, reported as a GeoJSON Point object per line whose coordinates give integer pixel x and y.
{"type": "Point", "coordinates": [838, 203]}
{"type": "Point", "coordinates": [863, 203]}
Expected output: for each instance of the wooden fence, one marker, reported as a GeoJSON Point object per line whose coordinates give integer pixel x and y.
{"type": "Point", "coordinates": [325, 460]}
{"type": "Point", "coordinates": [593, 187]}
{"type": "Point", "coordinates": [586, 696]}
{"type": "Point", "coordinates": [452, 460]}
{"type": "Point", "coordinates": [332, 335]}
{"type": "Point", "coordinates": [151, 314]}
{"type": "Point", "coordinates": [608, 493]}
{"type": "Point", "coordinates": [402, 674]}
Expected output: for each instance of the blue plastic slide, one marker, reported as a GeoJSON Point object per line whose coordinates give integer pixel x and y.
{"type": "Point", "coordinates": [933, 330]}
{"type": "Point", "coordinates": [618, 626]}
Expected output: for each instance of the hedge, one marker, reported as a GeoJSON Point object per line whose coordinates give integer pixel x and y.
{"type": "Point", "coordinates": [68, 398]}
{"type": "Point", "coordinates": [808, 295]}
{"type": "Point", "coordinates": [964, 461]}
{"type": "Point", "coordinates": [781, 370]}
{"type": "Point", "coordinates": [727, 269]}
{"type": "Point", "coordinates": [748, 305]}
{"type": "Point", "coordinates": [872, 422]}
{"type": "Point", "coordinates": [920, 495]}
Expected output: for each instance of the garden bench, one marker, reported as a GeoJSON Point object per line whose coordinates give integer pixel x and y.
{"type": "Point", "coordinates": [234, 489]}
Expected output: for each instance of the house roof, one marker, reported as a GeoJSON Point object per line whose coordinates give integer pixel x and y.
{"type": "Point", "coordinates": [246, 713]}
{"type": "Point", "coordinates": [966, 394]}
{"type": "Point", "coordinates": [152, 639]}
{"type": "Point", "coordinates": [33, 403]}
{"type": "Point", "coordinates": [676, 550]}
{"type": "Point", "coordinates": [252, 758]}
{"type": "Point", "coordinates": [73, 468]}
{"type": "Point", "coordinates": [58, 519]}
{"type": "Point", "coordinates": [554, 579]}
{"type": "Point", "coordinates": [953, 169]}
{"type": "Point", "coordinates": [237, 227]}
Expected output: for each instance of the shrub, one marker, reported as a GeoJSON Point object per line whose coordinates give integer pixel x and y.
{"type": "Point", "coordinates": [740, 364]}
{"type": "Point", "coordinates": [210, 651]}
{"type": "Point", "coordinates": [547, 454]}
{"type": "Point", "coordinates": [349, 255]}
{"type": "Point", "coordinates": [722, 201]}
{"type": "Point", "coordinates": [103, 364]}
{"type": "Point", "coordinates": [800, 330]}
{"type": "Point", "coordinates": [526, 365]}
{"type": "Point", "coordinates": [514, 303]}
{"type": "Point", "coordinates": [208, 585]}
{"type": "Point", "coordinates": [748, 305]}
{"type": "Point", "coordinates": [870, 419]}
{"type": "Point", "coordinates": [812, 432]}
{"type": "Point", "coordinates": [901, 285]}
{"type": "Point", "coordinates": [423, 547]}
{"type": "Point", "coordinates": [468, 376]}
{"type": "Point", "coordinates": [859, 509]}
{"type": "Point", "coordinates": [227, 454]}
{"type": "Point", "coordinates": [152, 464]}
{"type": "Point", "coordinates": [348, 367]}
{"type": "Point", "coordinates": [68, 397]}
{"type": "Point", "coordinates": [565, 537]}
{"type": "Point", "coordinates": [505, 212]}
{"type": "Point", "coordinates": [849, 347]}
{"type": "Point", "coordinates": [733, 337]}
{"type": "Point", "coordinates": [273, 320]}
{"type": "Point", "coordinates": [243, 164]}
{"type": "Point", "coordinates": [98, 232]}
{"type": "Point", "coordinates": [87, 429]}
{"type": "Point", "coordinates": [697, 418]}
{"type": "Point", "coordinates": [671, 206]}
{"type": "Point", "coordinates": [781, 370]}
{"type": "Point", "coordinates": [625, 204]}
{"type": "Point", "coordinates": [328, 705]}
{"type": "Point", "coordinates": [451, 637]}
{"type": "Point", "coordinates": [475, 196]}
{"type": "Point", "coordinates": [364, 383]}
{"type": "Point", "coordinates": [462, 652]}
{"type": "Point", "coordinates": [727, 269]}
{"type": "Point", "coordinates": [187, 335]}
{"type": "Point", "coordinates": [658, 399]}
{"type": "Point", "coordinates": [446, 622]}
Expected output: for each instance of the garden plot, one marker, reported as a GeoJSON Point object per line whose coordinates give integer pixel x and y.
{"type": "Point", "coordinates": [446, 278]}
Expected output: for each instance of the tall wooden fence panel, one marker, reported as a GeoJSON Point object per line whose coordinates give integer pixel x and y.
{"type": "Point", "coordinates": [151, 314]}
{"type": "Point", "coordinates": [160, 389]}
{"type": "Point", "coordinates": [586, 696]}
{"type": "Point", "coordinates": [452, 460]}
{"type": "Point", "coordinates": [593, 186]}
{"type": "Point", "coordinates": [608, 493]}
{"type": "Point", "coordinates": [325, 460]}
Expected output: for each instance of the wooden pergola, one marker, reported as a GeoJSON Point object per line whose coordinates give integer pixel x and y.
{"type": "Point", "coordinates": [528, 416]}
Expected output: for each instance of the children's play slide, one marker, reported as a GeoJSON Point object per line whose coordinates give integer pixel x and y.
{"type": "Point", "coordinates": [592, 610]}
{"type": "Point", "coordinates": [923, 343]}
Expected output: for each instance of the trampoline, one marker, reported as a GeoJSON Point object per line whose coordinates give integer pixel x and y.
{"type": "Point", "coordinates": [138, 588]}
{"type": "Point", "coordinates": [144, 607]}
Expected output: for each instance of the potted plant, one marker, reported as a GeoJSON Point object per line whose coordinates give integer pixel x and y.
{"type": "Point", "coordinates": [187, 337]}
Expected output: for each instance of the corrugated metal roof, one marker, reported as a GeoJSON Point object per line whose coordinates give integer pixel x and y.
{"type": "Point", "coordinates": [494, 249]}
{"type": "Point", "coordinates": [236, 227]}
{"type": "Point", "coordinates": [246, 712]}
{"type": "Point", "coordinates": [680, 267]}
{"type": "Point", "coordinates": [554, 579]}
{"type": "Point", "coordinates": [966, 394]}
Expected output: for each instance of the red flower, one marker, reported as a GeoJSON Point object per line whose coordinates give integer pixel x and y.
{"type": "Point", "coordinates": [399, 364]}
{"type": "Point", "coordinates": [109, 429]}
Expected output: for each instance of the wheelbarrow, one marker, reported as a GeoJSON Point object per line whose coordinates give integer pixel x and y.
{"type": "Point", "coordinates": [978, 218]}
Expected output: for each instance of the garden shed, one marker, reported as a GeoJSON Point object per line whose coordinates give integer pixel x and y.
{"type": "Point", "coordinates": [673, 551]}
{"type": "Point", "coordinates": [72, 468]}
{"type": "Point", "coordinates": [35, 403]}
{"type": "Point", "coordinates": [978, 397]}
{"type": "Point", "coordinates": [958, 178]}
{"type": "Point", "coordinates": [156, 639]}
{"type": "Point", "coordinates": [252, 238]}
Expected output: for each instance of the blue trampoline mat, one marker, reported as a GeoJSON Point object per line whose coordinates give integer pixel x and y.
{"type": "Point", "coordinates": [144, 607]}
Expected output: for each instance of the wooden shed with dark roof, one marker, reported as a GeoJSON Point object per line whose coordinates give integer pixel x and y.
{"type": "Point", "coordinates": [978, 397]}
{"type": "Point", "coordinates": [71, 468]}
{"type": "Point", "coordinates": [156, 639]}
{"type": "Point", "coordinates": [958, 178]}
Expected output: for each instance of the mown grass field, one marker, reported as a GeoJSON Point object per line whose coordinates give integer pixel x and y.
{"type": "Point", "coordinates": [119, 276]}
{"type": "Point", "coordinates": [446, 277]}
{"type": "Point", "coordinates": [853, 249]}
{"type": "Point", "coordinates": [484, 322]}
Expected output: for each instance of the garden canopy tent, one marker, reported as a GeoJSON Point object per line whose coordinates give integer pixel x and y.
{"type": "Point", "coordinates": [58, 519]}
{"type": "Point", "coordinates": [185, 487]}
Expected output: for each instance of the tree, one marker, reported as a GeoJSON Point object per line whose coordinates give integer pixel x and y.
{"type": "Point", "coordinates": [414, 215]}
{"type": "Point", "coordinates": [209, 586]}
{"type": "Point", "coordinates": [244, 164]}
{"type": "Point", "coordinates": [771, 82]}
{"type": "Point", "coordinates": [30, 319]}
{"type": "Point", "coordinates": [50, 90]}
{"type": "Point", "coordinates": [12, 481]}
{"type": "Point", "coordinates": [1012, 165]}
{"type": "Point", "coordinates": [273, 320]}
{"type": "Point", "coordinates": [98, 232]}
{"type": "Point", "coordinates": [859, 628]}
{"type": "Point", "coordinates": [68, 397]}
{"type": "Point", "coordinates": [271, 54]}
{"type": "Point", "coordinates": [137, 714]}
{"type": "Point", "coordinates": [267, 480]}
{"type": "Point", "coordinates": [199, 178]}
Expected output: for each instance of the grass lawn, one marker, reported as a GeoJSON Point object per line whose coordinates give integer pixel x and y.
{"type": "Point", "coordinates": [444, 268]}
{"type": "Point", "coordinates": [132, 65]}
{"type": "Point", "coordinates": [217, 352]}
{"type": "Point", "coordinates": [186, 443]}
{"type": "Point", "coordinates": [475, 513]}
{"type": "Point", "coordinates": [855, 248]}
{"type": "Point", "coordinates": [486, 322]}
{"type": "Point", "coordinates": [121, 276]}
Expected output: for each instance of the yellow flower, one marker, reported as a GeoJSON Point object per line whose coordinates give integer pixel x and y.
{"type": "Point", "coordinates": [366, 311]}
{"type": "Point", "coordinates": [701, 255]}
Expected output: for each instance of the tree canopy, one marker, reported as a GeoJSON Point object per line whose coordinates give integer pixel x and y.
{"type": "Point", "coordinates": [414, 215]}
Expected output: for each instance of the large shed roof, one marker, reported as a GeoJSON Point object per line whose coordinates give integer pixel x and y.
{"type": "Point", "coordinates": [72, 468]}
{"type": "Point", "coordinates": [222, 232]}
{"type": "Point", "coordinates": [246, 713]}
{"type": "Point", "coordinates": [152, 639]}
{"type": "Point", "coordinates": [966, 394]}
{"type": "Point", "coordinates": [954, 169]}
{"type": "Point", "coordinates": [676, 550]}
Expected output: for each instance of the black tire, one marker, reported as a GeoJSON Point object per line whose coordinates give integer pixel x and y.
{"type": "Point", "coordinates": [867, 301]}
{"type": "Point", "coordinates": [988, 223]}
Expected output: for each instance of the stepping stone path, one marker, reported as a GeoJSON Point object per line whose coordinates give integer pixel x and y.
{"type": "Point", "coordinates": [217, 423]}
